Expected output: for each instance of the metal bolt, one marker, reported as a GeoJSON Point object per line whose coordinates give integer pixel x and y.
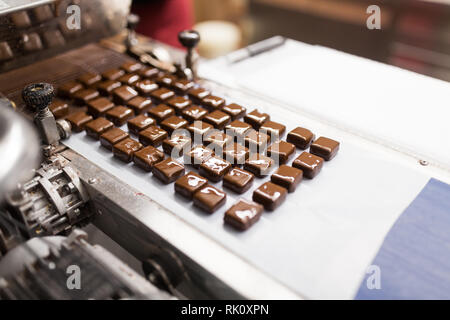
{"type": "Point", "coordinates": [423, 163]}
{"type": "Point", "coordinates": [92, 181]}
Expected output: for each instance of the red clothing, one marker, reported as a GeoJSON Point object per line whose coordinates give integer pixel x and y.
{"type": "Point", "coordinates": [163, 19]}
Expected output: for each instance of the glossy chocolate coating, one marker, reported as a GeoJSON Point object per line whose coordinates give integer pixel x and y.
{"type": "Point", "coordinates": [131, 66]}
{"type": "Point", "coordinates": [270, 195]}
{"type": "Point", "coordinates": [214, 168]}
{"type": "Point", "coordinates": [119, 115]}
{"type": "Point", "coordinates": [161, 112]}
{"type": "Point", "coordinates": [113, 74]}
{"type": "Point", "coordinates": [217, 140]}
{"type": "Point", "coordinates": [259, 165]}
{"type": "Point", "coordinates": [182, 86]}
{"type": "Point", "coordinates": [198, 94]}
{"type": "Point", "coordinates": [325, 148]}
{"type": "Point", "coordinates": [309, 164]}
{"type": "Point", "coordinates": [152, 136]}
{"type": "Point", "coordinates": [161, 95]}
{"type": "Point", "coordinates": [124, 94]}
{"type": "Point", "coordinates": [213, 102]}
{"type": "Point", "coordinates": [199, 130]}
{"type": "Point", "coordinates": [59, 108]}
{"type": "Point", "coordinates": [274, 129]}
{"type": "Point", "coordinates": [300, 137]}
{"type": "Point", "coordinates": [174, 123]}
{"type": "Point", "coordinates": [107, 87]}
{"type": "Point", "coordinates": [5, 51]}
{"type": "Point", "coordinates": [97, 127]}
{"type": "Point", "coordinates": [82, 97]}
{"type": "Point", "coordinates": [68, 89]}
{"type": "Point", "coordinates": [145, 87]}
{"type": "Point", "coordinates": [42, 13]}
{"type": "Point", "coordinates": [177, 145]}
{"type": "Point", "coordinates": [168, 171]}
{"type": "Point", "coordinates": [287, 177]}
{"type": "Point", "coordinates": [198, 155]}
{"type": "Point", "coordinates": [238, 180]}
{"type": "Point", "coordinates": [147, 157]}
{"type": "Point", "coordinates": [179, 103]}
{"type": "Point", "coordinates": [256, 119]}
{"type": "Point", "coordinates": [256, 141]}
{"type": "Point", "coordinates": [31, 42]}
{"type": "Point", "coordinates": [125, 149]}
{"type": "Point", "coordinates": [194, 113]}
{"type": "Point", "coordinates": [139, 104]}
{"type": "Point", "coordinates": [53, 38]}
{"type": "Point", "coordinates": [129, 79]}
{"type": "Point", "coordinates": [209, 199]}
{"type": "Point", "coordinates": [281, 151]}
{"type": "Point", "coordinates": [190, 184]}
{"type": "Point", "coordinates": [21, 19]}
{"type": "Point", "coordinates": [148, 72]}
{"type": "Point", "coordinates": [238, 129]}
{"type": "Point", "coordinates": [166, 80]}
{"type": "Point", "coordinates": [78, 120]}
{"type": "Point", "coordinates": [218, 119]}
{"type": "Point", "coordinates": [140, 123]}
{"type": "Point", "coordinates": [89, 79]}
{"type": "Point", "coordinates": [112, 136]}
{"type": "Point", "coordinates": [243, 214]}
{"type": "Point", "coordinates": [235, 111]}
{"type": "Point", "coordinates": [98, 107]}
{"type": "Point", "coordinates": [236, 154]}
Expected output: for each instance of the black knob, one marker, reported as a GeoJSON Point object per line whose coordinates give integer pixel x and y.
{"type": "Point", "coordinates": [189, 38]}
{"type": "Point", "coordinates": [38, 96]}
{"type": "Point", "coordinates": [132, 21]}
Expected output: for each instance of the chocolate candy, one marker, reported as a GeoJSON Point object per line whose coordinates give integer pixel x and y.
{"type": "Point", "coordinates": [125, 149]}
{"type": "Point", "coordinates": [182, 86]}
{"type": "Point", "coordinates": [148, 72]}
{"type": "Point", "coordinates": [78, 120]}
{"type": "Point", "coordinates": [218, 119]}
{"type": "Point", "coordinates": [197, 156]}
{"type": "Point", "coordinates": [217, 140]}
{"type": "Point", "coordinates": [168, 171]}
{"type": "Point", "coordinates": [194, 113]}
{"type": "Point", "coordinates": [119, 115]}
{"type": "Point", "coordinates": [309, 164]}
{"type": "Point", "coordinates": [82, 97]}
{"type": "Point", "coordinates": [139, 104]}
{"type": "Point", "coordinates": [198, 94]}
{"type": "Point", "coordinates": [281, 151]}
{"type": "Point", "coordinates": [161, 112]}
{"type": "Point", "coordinates": [174, 123]}
{"type": "Point", "coordinates": [89, 79]}
{"type": "Point", "coordinates": [238, 129]}
{"type": "Point", "coordinates": [259, 165]}
{"type": "Point", "coordinates": [43, 13]}
{"type": "Point", "coordinates": [98, 107]}
{"type": "Point", "coordinates": [238, 180]}
{"type": "Point", "coordinates": [107, 87]}
{"type": "Point", "coordinates": [273, 129]}
{"type": "Point", "coordinates": [212, 102]}
{"type": "Point", "coordinates": [5, 51]}
{"type": "Point", "coordinates": [31, 42]}
{"type": "Point", "coordinates": [325, 148]}
{"type": "Point", "coordinates": [113, 74]}
{"type": "Point", "coordinates": [214, 168]}
{"type": "Point", "coordinates": [140, 123]}
{"type": "Point", "coordinates": [199, 130]}
{"type": "Point", "coordinates": [287, 177]}
{"type": "Point", "coordinates": [124, 94]}
{"type": "Point", "coordinates": [131, 66]}
{"type": "Point", "coordinates": [54, 38]}
{"type": "Point", "coordinates": [97, 127]}
{"type": "Point", "coordinates": [68, 89]}
{"type": "Point", "coordinates": [176, 145]}
{"type": "Point", "coordinates": [256, 141]}
{"type": "Point", "coordinates": [147, 157]}
{"type": "Point", "coordinates": [209, 198]}
{"type": "Point", "coordinates": [235, 111]}
{"type": "Point", "coordinates": [189, 184]}
{"type": "Point", "coordinates": [145, 87]}
{"type": "Point", "coordinates": [270, 195]}
{"type": "Point", "coordinates": [129, 79]}
{"type": "Point", "coordinates": [243, 214]}
{"type": "Point", "coordinates": [300, 137]}
{"type": "Point", "coordinates": [153, 136]}
{"type": "Point", "coordinates": [166, 80]}
{"type": "Point", "coordinates": [21, 19]}
{"type": "Point", "coordinates": [236, 154]}
{"type": "Point", "coordinates": [112, 136]}
{"type": "Point", "coordinates": [59, 108]}
{"type": "Point", "coordinates": [179, 103]}
{"type": "Point", "coordinates": [256, 119]}
{"type": "Point", "coordinates": [161, 95]}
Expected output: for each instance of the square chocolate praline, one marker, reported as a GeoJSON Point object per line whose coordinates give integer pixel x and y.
{"type": "Point", "coordinates": [78, 120]}
{"type": "Point", "coordinates": [166, 80]}
{"type": "Point", "coordinates": [98, 107]}
{"type": "Point", "coordinates": [214, 168]}
{"type": "Point", "coordinates": [179, 103]}
{"type": "Point", "coordinates": [68, 89]}
{"type": "Point", "coordinates": [209, 199]}
{"type": "Point", "coordinates": [287, 177]}
{"type": "Point", "coordinates": [259, 165]}
{"type": "Point", "coordinates": [59, 108]}
{"type": "Point", "coordinates": [132, 66]}
{"type": "Point", "coordinates": [309, 164]}
{"type": "Point", "coordinates": [107, 87]}
{"type": "Point", "coordinates": [217, 140]}
{"type": "Point", "coordinates": [168, 171]}
{"type": "Point", "coordinates": [256, 119]}
{"type": "Point", "coordinates": [300, 137]}
{"type": "Point", "coordinates": [270, 195]}
{"type": "Point", "coordinates": [119, 115]}
{"type": "Point", "coordinates": [236, 154]}
{"type": "Point", "coordinates": [218, 119]}
{"type": "Point", "coordinates": [140, 123]}
{"type": "Point", "coordinates": [125, 149]}
{"type": "Point", "coordinates": [213, 102]}
{"type": "Point", "coordinates": [325, 148]}
{"type": "Point", "coordinates": [273, 129]}
{"type": "Point", "coordinates": [139, 104]}
{"type": "Point", "coordinates": [82, 97]}
{"type": "Point", "coordinates": [5, 51]}
{"type": "Point", "coordinates": [198, 94]}
{"type": "Point", "coordinates": [281, 151]}
{"type": "Point", "coordinates": [148, 72]}
{"type": "Point", "coordinates": [113, 74]}
{"type": "Point", "coordinates": [161, 95]}
{"type": "Point", "coordinates": [256, 141]}
{"type": "Point", "coordinates": [243, 214]}
{"type": "Point", "coordinates": [147, 157]}
{"type": "Point", "coordinates": [238, 180]}
{"type": "Point", "coordinates": [97, 127]}
{"type": "Point", "coordinates": [182, 86]}
{"type": "Point", "coordinates": [199, 130]}
{"type": "Point", "coordinates": [129, 79]}
{"type": "Point", "coordinates": [197, 156]}
{"type": "Point", "coordinates": [31, 42]}
{"type": "Point", "coordinates": [124, 94]}
{"type": "Point", "coordinates": [174, 123]}
{"type": "Point", "coordinates": [161, 112]}
{"type": "Point", "coordinates": [153, 136]}
{"type": "Point", "coordinates": [235, 111]}
{"type": "Point", "coordinates": [90, 79]}
{"type": "Point", "coordinates": [53, 38]}
{"type": "Point", "coordinates": [238, 129]}
{"type": "Point", "coordinates": [145, 87]}
{"type": "Point", "coordinates": [194, 113]}
{"type": "Point", "coordinates": [189, 184]}
{"type": "Point", "coordinates": [112, 136]}
{"type": "Point", "coordinates": [176, 145]}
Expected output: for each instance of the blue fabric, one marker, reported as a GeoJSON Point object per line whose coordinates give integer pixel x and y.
{"type": "Point", "coordinates": [414, 259]}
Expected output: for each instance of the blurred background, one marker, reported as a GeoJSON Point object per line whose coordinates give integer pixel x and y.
{"type": "Point", "coordinates": [415, 34]}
